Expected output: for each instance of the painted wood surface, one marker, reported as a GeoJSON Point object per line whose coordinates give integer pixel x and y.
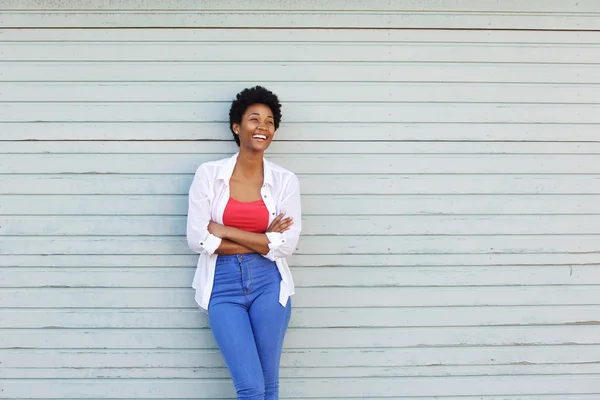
{"type": "Point", "coordinates": [450, 180]}
{"type": "Point", "coordinates": [487, 14]}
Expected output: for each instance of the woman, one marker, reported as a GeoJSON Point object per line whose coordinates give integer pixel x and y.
{"type": "Point", "coordinates": [244, 219]}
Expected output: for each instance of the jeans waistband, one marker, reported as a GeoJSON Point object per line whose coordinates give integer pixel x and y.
{"type": "Point", "coordinates": [222, 258]}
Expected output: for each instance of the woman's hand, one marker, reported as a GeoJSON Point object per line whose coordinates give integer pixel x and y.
{"type": "Point", "coordinates": [280, 224]}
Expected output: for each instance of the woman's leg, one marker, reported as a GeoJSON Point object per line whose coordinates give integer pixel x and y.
{"type": "Point", "coordinates": [231, 328]}
{"type": "Point", "coordinates": [230, 324]}
{"type": "Point", "coordinates": [269, 321]}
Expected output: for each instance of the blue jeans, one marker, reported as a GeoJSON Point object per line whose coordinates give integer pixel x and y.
{"type": "Point", "coordinates": [249, 323]}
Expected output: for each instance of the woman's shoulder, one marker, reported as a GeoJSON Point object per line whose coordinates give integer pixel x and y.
{"type": "Point", "coordinates": [278, 170]}
{"type": "Point", "coordinates": [282, 178]}
{"type": "Point", "coordinates": [212, 167]}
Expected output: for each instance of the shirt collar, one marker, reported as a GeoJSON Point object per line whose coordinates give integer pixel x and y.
{"type": "Point", "coordinates": [226, 170]}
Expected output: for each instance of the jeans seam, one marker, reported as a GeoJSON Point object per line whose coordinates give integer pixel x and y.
{"type": "Point", "coordinates": [249, 275]}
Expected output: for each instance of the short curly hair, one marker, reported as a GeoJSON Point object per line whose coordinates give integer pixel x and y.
{"type": "Point", "coordinates": [248, 97]}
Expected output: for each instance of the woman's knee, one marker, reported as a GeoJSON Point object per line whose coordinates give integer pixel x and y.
{"type": "Point", "coordinates": [272, 389]}
{"type": "Point", "coordinates": [251, 390]}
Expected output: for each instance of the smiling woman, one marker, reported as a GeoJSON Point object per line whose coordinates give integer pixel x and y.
{"type": "Point", "coordinates": [244, 219]}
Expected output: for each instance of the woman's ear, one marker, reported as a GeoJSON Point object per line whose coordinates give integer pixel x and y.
{"type": "Point", "coordinates": [236, 128]}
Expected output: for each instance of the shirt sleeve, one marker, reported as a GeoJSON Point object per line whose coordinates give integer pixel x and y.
{"type": "Point", "coordinates": [282, 245]}
{"type": "Point", "coordinates": [199, 215]}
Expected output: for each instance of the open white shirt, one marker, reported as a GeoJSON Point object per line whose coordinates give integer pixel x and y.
{"type": "Point", "coordinates": [208, 197]}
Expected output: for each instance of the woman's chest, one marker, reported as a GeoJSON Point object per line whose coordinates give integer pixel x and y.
{"type": "Point", "coordinates": [222, 194]}
{"type": "Point", "coordinates": [245, 190]}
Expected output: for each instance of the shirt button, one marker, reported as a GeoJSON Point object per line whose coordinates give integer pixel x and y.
{"type": "Point", "coordinates": [272, 213]}
{"type": "Point", "coordinates": [265, 196]}
{"type": "Point", "coordinates": [201, 243]}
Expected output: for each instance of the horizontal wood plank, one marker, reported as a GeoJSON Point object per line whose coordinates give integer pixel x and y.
{"type": "Point", "coordinates": [298, 72]}
{"type": "Point", "coordinates": [347, 387]}
{"type": "Point", "coordinates": [319, 297]}
{"type": "Point", "coordinates": [273, 35]}
{"type": "Point", "coordinates": [85, 275]}
{"type": "Point", "coordinates": [312, 205]}
{"type": "Point", "coordinates": [319, 244]}
{"type": "Point", "coordinates": [299, 52]}
{"type": "Point", "coordinates": [221, 372]}
{"type": "Point", "coordinates": [303, 112]}
{"type": "Point", "coordinates": [311, 261]}
{"type": "Point", "coordinates": [431, 358]}
{"type": "Point", "coordinates": [389, 92]}
{"type": "Point", "coordinates": [308, 164]}
{"type": "Point", "coordinates": [313, 225]}
{"type": "Point", "coordinates": [309, 317]}
{"type": "Point", "coordinates": [516, 6]}
{"type": "Point", "coordinates": [315, 19]}
{"type": "Point", "coordinates": [306, 148]}
{"type": "Point", "coordinates": [298, 338]}
{"type": "Point", "coordinates": [311, 132]}
{"type": "Point", "coordinates": [311, 184]}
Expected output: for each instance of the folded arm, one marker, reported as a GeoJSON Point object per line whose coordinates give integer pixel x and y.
{"type": "Point", "coordinates": [227, 247]}
{"type": "Point", "coordinates": [281, 237]}
{"type": "Point", "coordinates": [257, 242]}
{"type": "Point", "coordinates": [199, 239]}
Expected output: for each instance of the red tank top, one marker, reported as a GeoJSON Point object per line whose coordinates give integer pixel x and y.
{"type": "Point", "coordinates": [251, 217]}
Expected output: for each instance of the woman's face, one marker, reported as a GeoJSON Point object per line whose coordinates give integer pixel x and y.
{"type": "Point", "coordinates": [256, 129]}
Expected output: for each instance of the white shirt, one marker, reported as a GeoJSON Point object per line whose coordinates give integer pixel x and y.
{"type": "Point", "coordinates": [208, 197]}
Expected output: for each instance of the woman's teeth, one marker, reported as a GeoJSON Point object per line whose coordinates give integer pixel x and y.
{"type": "Point", "coordinates": [263, 137]}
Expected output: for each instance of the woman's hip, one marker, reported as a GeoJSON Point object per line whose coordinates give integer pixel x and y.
{"type": "Point", "coordinates": [246, 271]}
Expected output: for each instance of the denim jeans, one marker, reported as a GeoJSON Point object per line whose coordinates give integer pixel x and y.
{"type": "Point", "coordinates": [249, 323]}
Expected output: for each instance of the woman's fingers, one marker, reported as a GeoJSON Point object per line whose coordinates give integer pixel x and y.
{"type": "Point", "coordinates": [280, 224]}
{"type": "Point", "coordinates": [275, 222]}
{"type": "Point", "coordinates": [284, 225]}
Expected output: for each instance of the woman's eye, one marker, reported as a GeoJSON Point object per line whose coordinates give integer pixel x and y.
{"type": "Point", "coordinates": [270, 122]}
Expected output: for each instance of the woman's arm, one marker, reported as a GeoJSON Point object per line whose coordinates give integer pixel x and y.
{"type": "Point", "coordinates": [283, 244]}
{"type": "Point", "coordinates": [253, 242]}
{"type": "Point", "coordinates": [281, 237]}
{"type": "Point", "coordinates": [227, 247]}
{"type": "Point", "coordinates": [199, 238]}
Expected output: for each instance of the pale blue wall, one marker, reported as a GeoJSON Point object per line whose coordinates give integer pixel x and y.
{"type": "Point", "coordinates": [450, 178]}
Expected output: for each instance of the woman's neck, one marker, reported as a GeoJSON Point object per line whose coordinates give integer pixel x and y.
{"type": "Point", "coordinates": [249, 164]}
